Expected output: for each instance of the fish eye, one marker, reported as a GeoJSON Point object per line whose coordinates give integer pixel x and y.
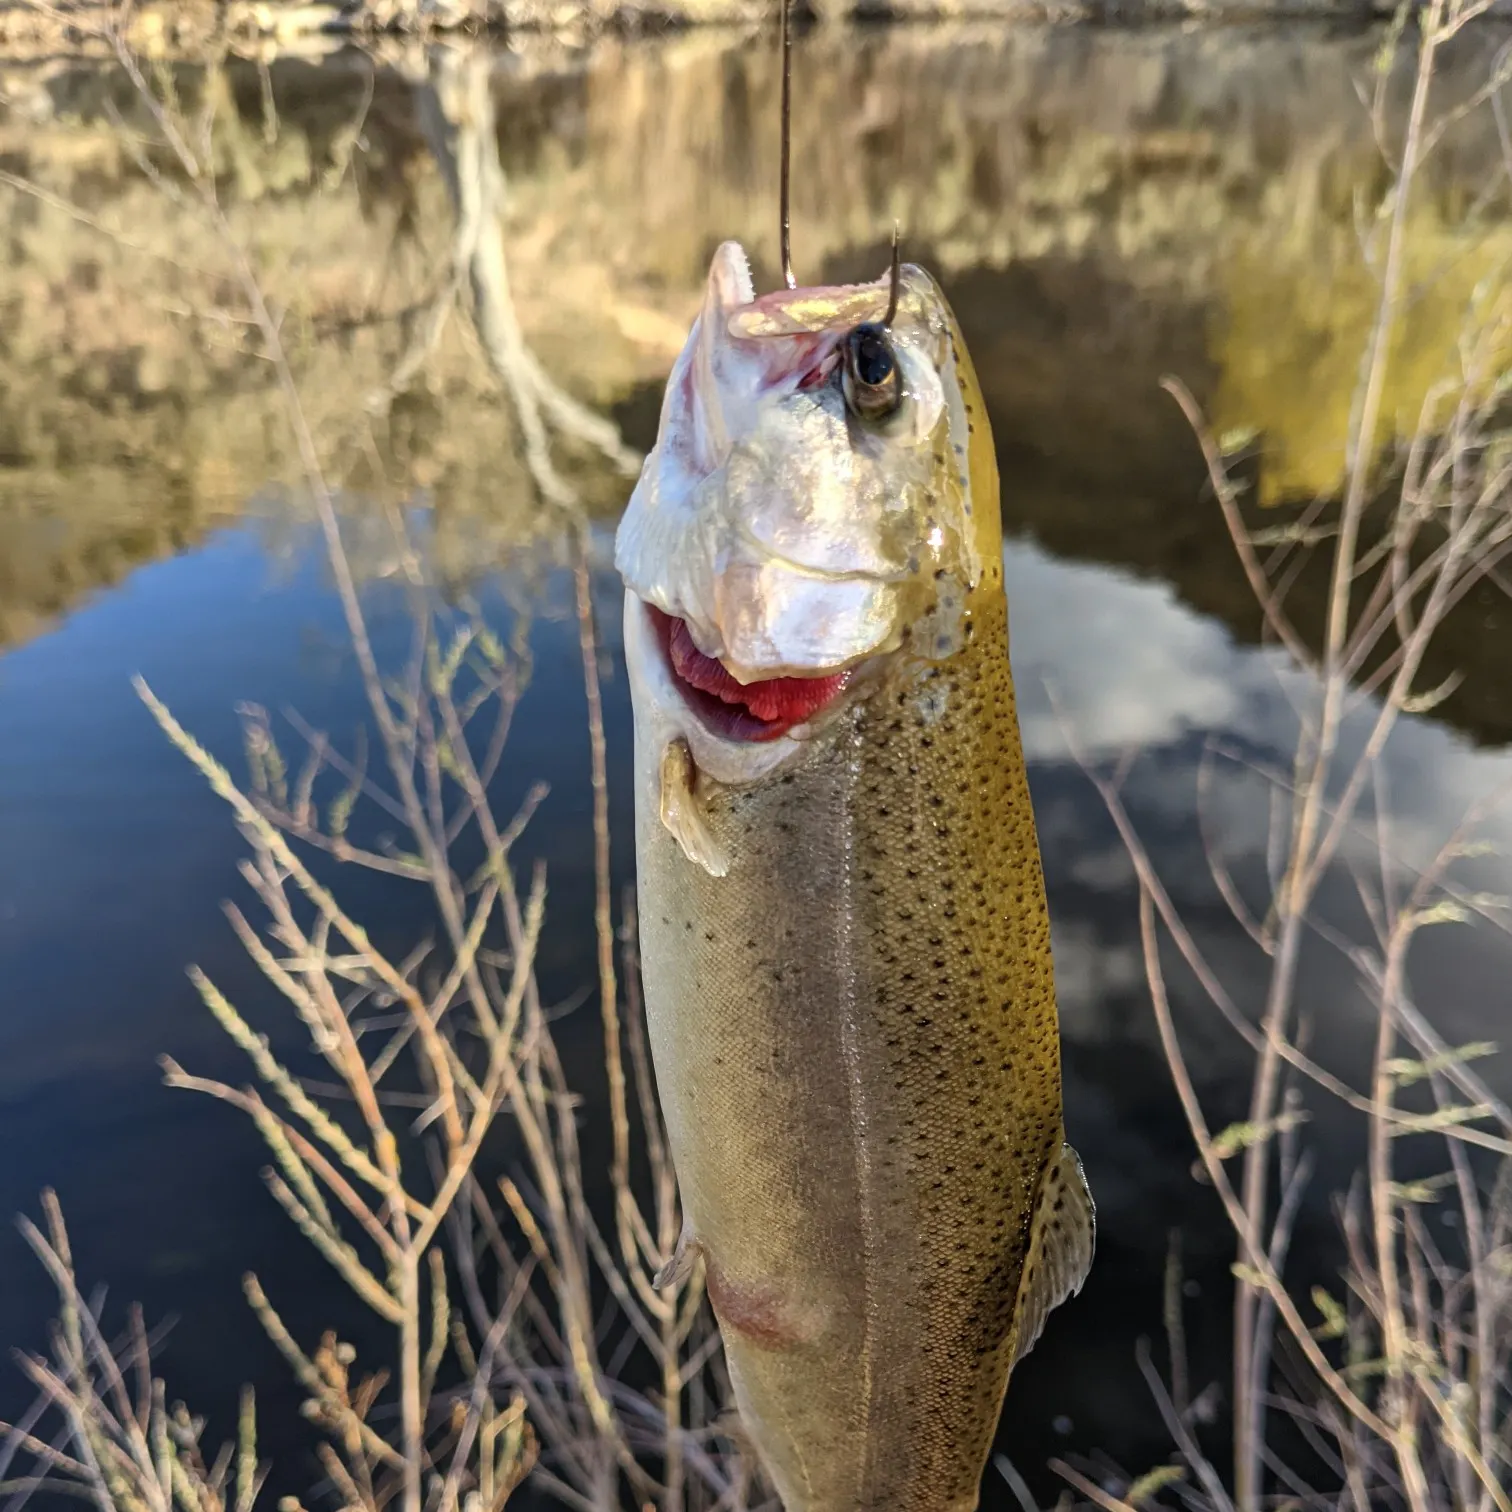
{"type": "Point", "coordinates": [871, 381]}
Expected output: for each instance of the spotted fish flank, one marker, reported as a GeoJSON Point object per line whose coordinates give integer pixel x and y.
{"type": "Point", "coordinates": [848, 978]}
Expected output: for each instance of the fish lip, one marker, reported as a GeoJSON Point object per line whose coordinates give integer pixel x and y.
{"type": "Point", "coordinates": [730, 722]}
{"type": "Point", "coordinates": [662, 714]}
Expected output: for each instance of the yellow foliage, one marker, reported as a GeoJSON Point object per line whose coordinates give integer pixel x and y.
{"type": "Point", "coordinates": [1294, 316]}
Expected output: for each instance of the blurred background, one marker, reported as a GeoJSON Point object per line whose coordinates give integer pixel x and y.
{"type": "Point", "coordinates": [1103, 207]}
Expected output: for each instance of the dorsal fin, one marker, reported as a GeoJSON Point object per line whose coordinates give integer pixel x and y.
{"type": "Point", "coordinates": [1060, 1248]}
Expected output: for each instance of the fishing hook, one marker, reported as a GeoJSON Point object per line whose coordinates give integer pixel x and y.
{"type": "Point", "coordinates": [784, 191]}
{"type": "Point", "coordinates": [896, 285]}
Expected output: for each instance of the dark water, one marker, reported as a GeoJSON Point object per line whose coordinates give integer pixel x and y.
{"type": "Point", "coordinates": [1096, 204]}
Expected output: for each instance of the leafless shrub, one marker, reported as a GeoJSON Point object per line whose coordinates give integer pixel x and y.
{"type": "Point", "coordinates": [1402, 1386]}
{"type": "Point", "coordinates": [504, 1362]}
{"type": "Point", "coordinates": [125, 1447]}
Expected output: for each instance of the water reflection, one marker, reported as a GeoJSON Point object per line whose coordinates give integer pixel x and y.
{"type": "Point", "coordinates": [1106, 207]}
{"type": "Point", "coordinates": [1103, 208]}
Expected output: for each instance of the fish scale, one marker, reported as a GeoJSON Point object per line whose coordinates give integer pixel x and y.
{"type": "Point", "coordinates": [850, 1002]}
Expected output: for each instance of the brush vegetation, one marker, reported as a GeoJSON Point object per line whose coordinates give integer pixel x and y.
{"type": "Point", "coordinates": [517, 1312]}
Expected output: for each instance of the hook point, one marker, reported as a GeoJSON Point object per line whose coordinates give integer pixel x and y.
{"type": "Point", "coordinates": [896, 281]}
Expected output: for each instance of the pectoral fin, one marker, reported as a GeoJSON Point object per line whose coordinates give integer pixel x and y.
{"type": "Point", "coordinates": [683, 813]}
{"type": "Point", "coordinates": [680, 1266]}
{"type": "Point", "coordinates": [1060, 1248]}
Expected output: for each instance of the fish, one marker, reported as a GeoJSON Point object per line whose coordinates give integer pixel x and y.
{"type": "Point", "coordinates": [845, 945]}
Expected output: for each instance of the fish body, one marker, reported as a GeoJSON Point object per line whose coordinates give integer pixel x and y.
{"type": "Point", "coordinates": [845, 944]}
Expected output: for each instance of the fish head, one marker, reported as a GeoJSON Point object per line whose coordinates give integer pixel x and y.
{"type": "Point", "coordinates": [821, 497]}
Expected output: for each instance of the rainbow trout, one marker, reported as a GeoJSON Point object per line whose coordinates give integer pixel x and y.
{"type": "Point", "coordinates": [843, 928]}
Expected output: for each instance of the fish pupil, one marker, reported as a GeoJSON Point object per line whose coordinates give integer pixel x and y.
{"type": "Point", "coordinates": [872, 380]}
{"type": "Point", "coordinates": [873, 357]}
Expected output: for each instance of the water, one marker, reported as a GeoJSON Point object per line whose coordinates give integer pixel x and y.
{"type": "Point", "coordinates": [1103, 208]}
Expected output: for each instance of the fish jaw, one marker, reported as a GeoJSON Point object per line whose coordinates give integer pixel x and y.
{"type": "Point", "coordinates": [789, 540]}
{"type": "Point", "coordinates": [762, 710]}
{"type": "Point", "coordinates": [665, 713]}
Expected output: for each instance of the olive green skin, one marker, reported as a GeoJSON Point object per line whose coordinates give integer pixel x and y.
{"type": "Point", "coordinates": [857, 1057]}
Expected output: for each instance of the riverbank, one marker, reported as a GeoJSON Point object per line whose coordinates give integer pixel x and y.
{"type": "Point", "coordinates": [1104, 206]}
{"type": "Point", "coordinates": [192, 27]}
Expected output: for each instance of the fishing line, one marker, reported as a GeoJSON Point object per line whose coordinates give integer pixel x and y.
{"type": "Point", "coordinates": [785, 179]}
{"type": "Point", "coordinates": [784, 191]}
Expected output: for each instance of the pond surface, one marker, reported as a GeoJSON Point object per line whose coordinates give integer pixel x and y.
{"type": "Point", "coordinates": [1102, 208]}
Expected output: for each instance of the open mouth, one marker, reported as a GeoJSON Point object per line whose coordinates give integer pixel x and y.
{"type": "Point", "coordinates": [752, 711]}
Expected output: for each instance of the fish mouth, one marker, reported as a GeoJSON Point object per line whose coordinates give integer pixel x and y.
{"type": "Point", "coordinates": [764, 710]}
